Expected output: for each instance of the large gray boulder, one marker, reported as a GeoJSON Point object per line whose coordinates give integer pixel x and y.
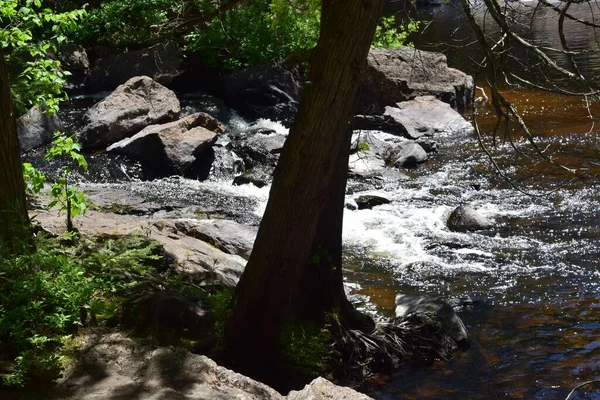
{"type": "Point", "coordinates": [427, 116]}
{"type": "Point", "coordinates": [465, 218]}
{"type": "Point", "coordinates": [36, 128]}
{"type": "Point", "coordinates": [396, 75]}
{"type": "Point", "coordinates": [264, 92]}
{"type": "Point", "coordinates": [171, 148]}
{"type": "Point", "coordinates": [161, 62]}
{"type": "Point", "coordinates": [137, 103]}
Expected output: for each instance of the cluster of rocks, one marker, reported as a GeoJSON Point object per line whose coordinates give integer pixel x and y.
{"type": "Point", "coordinates": [406, 93]}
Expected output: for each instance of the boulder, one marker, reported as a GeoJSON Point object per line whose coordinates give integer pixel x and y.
{"type": "Point", "coordinates": [465, 218]}
{"type": "Point", "coordinates": [258, 176]}
{"type": "Point", "coordinates": [263, 91]}
{"type": "Point", "coordinates": [407, 155]}
{"type": "Point", "coordinates": [228, 236]}
{"type": "Point", "coordinates": [322, 389]}
{"type": "Point", "coordinates": [73, 57]}
{"type": "Point", "coordinates": [161, 62]}
{"type": "Point", "coordinates": [369, 201]}
{"type": "Point", "coordinates": [396, 75]}
{"type": "Point", "coordinates": [226, 165]}
{"type": "Point", "coordinates": [36, 128]}
{"type": "Point", "coordinates": [137, 103]}
{"type": "Point", "coordinates": [437, 308]}
{"type": "Point", "coordinates": [171, 148]}
{"type": "Point", "coordinates": [114, 366]}
{"type": "Point", "coordinates": [259, 149]}
{"type": "Point", "coordinates": [426, 116]}
{"type": "Point", "coordinates": [372, 152]}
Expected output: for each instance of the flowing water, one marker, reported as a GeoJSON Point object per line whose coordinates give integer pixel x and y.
{"type": "Point", "coordinates": [532, 282]}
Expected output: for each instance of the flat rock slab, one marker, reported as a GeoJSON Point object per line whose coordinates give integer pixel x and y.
{"type": "Point", "coordinates": [198, 260]}
{"type": "Point", "coordinates": [427, 116]}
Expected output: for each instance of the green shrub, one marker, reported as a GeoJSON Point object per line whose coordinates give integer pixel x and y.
{"type": "Point", "coordinates": [256, 32]}
{"type": "Point", "coordinates": [47, 295]}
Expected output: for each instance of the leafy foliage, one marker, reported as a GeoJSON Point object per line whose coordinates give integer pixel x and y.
{"type": "Point", "coordinates": [34, 179]}
{"type": "Point", "coordinates": [258, 31]}
{"type": "Point", "coordinates": [31, 34]}
{"type": "Point", "coordinates": [63, 193]}
{"type": "Point", "coordinates": [389, 35]}
{"type": "Point", "coordinates": [307, 347]}
{"type": "Point", "coordinates": [124, 23]}
{"type": "Point", "coordinates": [46, 296]}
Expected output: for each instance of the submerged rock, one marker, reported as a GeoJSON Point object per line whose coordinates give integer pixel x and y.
{"type": "Point", "coordinates": [426, 116]}
{"type": "Point", "coordinates": [258, 176]}
{"type": "Point", "coordinates": [465, 218]}
{"type": "Point", "coordinates": [171, 148]}
{"type": "Point", "coordinates": [436, 308]}
{"type": "Point", "coordinates": [131, 107]}
{"type": "Point", "coordinates": [369, 201]}
{"type": "Point", "coordinates": [396, 75]}
{"type": "Point", "coordinates": [36, 128]}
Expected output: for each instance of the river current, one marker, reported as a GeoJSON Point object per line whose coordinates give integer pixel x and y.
{"type": "Point", "coordinates": [531, 285]}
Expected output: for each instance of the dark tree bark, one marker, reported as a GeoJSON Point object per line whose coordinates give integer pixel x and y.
{"type": "Point", "coordinates": [14, 221]}
{"type": "Point", "coordinates": [305, 205]}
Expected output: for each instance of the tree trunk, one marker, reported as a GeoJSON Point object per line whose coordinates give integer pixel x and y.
{"type": "Point", "coordinates": [304, 187]}
{"type": "Point", "coordinates": [14, 221]}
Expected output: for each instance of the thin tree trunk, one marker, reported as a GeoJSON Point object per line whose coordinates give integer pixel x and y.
{"type": "Point", "coordinates": [14, 221]}
{"type": "Point", "coordinates": [303, 186]}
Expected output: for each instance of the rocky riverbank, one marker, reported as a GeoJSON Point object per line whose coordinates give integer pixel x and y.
{"type": "Point", "coordinates": [404, 111]}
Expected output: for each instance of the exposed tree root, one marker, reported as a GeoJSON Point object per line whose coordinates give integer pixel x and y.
{"type": "Point", "coordinates": [416, 339]}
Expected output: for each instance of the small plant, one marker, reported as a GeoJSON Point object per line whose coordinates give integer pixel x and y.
{"type": "Point", "coordinates": [307, 347]}
{"type": "Point", "coordinates": [363, 146]}
{"type": "Point", "coordinates": [34, 179]}
{"type": "Point", "coordinates": [63, 192]}
{"type": "Point", "coordinates": [390, 36]}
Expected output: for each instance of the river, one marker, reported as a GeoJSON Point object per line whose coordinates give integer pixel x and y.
{"type": "Point", "coordinates": [532, 282]}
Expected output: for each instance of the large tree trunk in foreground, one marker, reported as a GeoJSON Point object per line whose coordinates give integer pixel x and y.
{"type": "Point", "coordinates": [14, 221]}
{"type": "Point", "coordinates": [304, 187]}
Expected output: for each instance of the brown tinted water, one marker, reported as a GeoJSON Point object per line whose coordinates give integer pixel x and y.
{"type": "Point", "coordinates": [534, 279]}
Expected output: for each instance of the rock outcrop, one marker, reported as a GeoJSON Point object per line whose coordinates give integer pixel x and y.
{"type": "Point", "coordinates": [171, 148]}
{"type": "Point", "coordinates": [113, 366]}
{"type": "Point", "coordinates": [402, 74]}
{"type": "Point", "coordinates": [161, 62]}
{"type": "Point", "coordinates": [259, 149]}
{"type": "Point", "coordinates": [36, 128]}
{"type": "Point", "coordinates": [137, 103]}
